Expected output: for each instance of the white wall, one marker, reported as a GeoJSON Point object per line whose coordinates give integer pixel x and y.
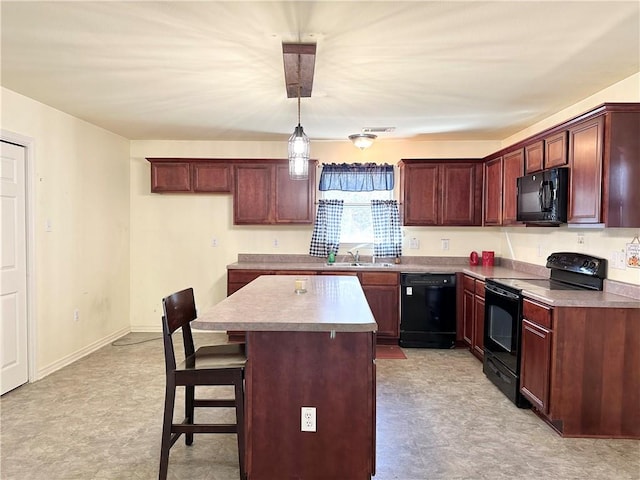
{"type": "Point", "coordinates": [82, 187]}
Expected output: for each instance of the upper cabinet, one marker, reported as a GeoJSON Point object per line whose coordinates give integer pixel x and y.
{"type": "Point", "coordinates": [512, 168]}
{"type": "Point", "coordinates": [441, 192]}
{"type": "Point", "coordinates": [500, 187]}
{"type": "Point", "coordinates": [493, 191]}
{"type": "Point", "coordinates": [604, 153]}
{"type": "Point", "coordinates": [176, 175]}
{"type": "Point", "coordinates": [601, 149]}
{"type": "Point", "coordinates": [547, 152]}
{"type": "Point", "coordinates": [264, 194]}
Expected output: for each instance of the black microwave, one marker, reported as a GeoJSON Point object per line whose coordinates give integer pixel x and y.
{"type": "Point", "coordinates": [542, 197]}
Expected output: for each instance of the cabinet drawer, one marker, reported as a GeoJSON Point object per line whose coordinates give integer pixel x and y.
{"type": "Point", "coordinates": [378, 278]}
{"type": "Point", "coordinates": [480, 288]}
{"type": "Point", "coordinates": [537, 313]}
{"type": "Point", "coordinates": [469, 283]}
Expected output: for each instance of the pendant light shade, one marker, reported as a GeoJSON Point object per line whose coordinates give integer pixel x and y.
{"type": "Point", "coordinates": [299, 154]}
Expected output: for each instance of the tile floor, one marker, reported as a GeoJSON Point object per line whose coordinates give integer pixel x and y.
{"type": "Point", "coordinates": [438, 418]}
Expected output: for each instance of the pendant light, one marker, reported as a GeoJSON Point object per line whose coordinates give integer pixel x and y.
{"type": "Point", "coordinates": [298, 147]}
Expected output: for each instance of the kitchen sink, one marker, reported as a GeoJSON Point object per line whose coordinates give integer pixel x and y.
{"type": "Point", "coordinates": [360, 264]}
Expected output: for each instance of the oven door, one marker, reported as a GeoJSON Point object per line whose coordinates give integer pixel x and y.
{"type": "Point", "coordinates": [502, 325]}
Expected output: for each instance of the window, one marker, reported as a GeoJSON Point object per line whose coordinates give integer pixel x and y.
{"type": "Point", "coordinates": [357, 206]}
{"type": "Point", "coordinates": [356, 225]}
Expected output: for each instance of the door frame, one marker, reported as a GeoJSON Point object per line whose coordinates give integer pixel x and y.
{"type": "Point", "coordinates": [30, 202]}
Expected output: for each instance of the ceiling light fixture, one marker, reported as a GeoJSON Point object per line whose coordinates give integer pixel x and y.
{"type": "Point", "coordinates": [299, 60]}
{"type": "Point", "coordinates": [362, 140]}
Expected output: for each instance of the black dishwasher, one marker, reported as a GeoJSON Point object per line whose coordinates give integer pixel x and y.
{"type": "Point", "coordinates": [428, 310]}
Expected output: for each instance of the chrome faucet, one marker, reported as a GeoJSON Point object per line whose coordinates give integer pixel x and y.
{"type": "Point", "coordinates": [356, 256]}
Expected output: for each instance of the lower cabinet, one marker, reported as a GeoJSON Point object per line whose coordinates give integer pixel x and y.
{"type": "Point", "coordinates": [381, 289]}
{"type": "Point", "coordinates": [579, 368]}
{"type": "Point", "coordinates": [535, 355]}
{"type": "Point", "coordinates": [383, 295]}
{"type": "Point", "coordinates": [473, 315]}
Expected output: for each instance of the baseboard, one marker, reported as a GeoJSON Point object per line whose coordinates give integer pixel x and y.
{"type": "Point", "coordinates": [83, 352]}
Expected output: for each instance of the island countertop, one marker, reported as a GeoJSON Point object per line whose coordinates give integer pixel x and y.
{"type": "Point", "coordinates": [270, 303]}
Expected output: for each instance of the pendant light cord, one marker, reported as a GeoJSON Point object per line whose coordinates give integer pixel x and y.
{"type": "Point", "coordinates": [299, 61]}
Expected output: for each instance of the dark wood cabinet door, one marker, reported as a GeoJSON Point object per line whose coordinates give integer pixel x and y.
{"type": "Point", "coordinates": [478, 326]}
{"type": "Point", "coordinates": [211, 177]}
{"type": "Point", "coordinates": [383, 301]}
{"type": "Point", "coordinates": [294, 199]}
{"type": "Point", "coordinates": [252, 194]}
{"type": "Point", "coordinates": [555, 150]}
{"type": "Point", "coordinates": [170, 177]}
{"type": "Point", "coordinates": [535, 364]}
{"type": "Point", "coordinates": [382, 290]}
{"type": "Point", "coordinates": [468, 299]}
{"type": "Point", "coordinates": [534, 157]}
{"type": "Point", "coordinates": [513, 165]}
{"type": "Point", "coordinates": [461, 194]}
{"type": "Point", "coordinates": [493, 192]}
{"type": "Point", "coordinates": [585, 176]}
{"type": "Point", "coordinates": [420, 194]}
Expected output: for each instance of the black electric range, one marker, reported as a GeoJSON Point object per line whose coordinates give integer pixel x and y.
{"type": "Point", "coordinates": [503, 313]}
{"type": "Point", "coordinates": [568, 271]}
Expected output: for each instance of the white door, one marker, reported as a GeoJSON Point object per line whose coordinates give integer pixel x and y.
{"type": "Point", "coordinates": [14, 368]}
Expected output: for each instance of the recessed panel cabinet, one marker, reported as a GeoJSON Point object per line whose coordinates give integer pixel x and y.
{"type": "Point", "coordinates": [441, 192]}
{"type": "Point", "coordinates": [263, 194]}
{"type": "Point", "coordinates": [604, 168]}
{"type": "Point", "coordinates": [473, 315]}
{"type": "Point", "coordinates": [580, 372]}
{"type": "Point", "coordinates": [493, 191]}
{"type": "Point", "coordinates": [190, 175]}
{"type": "Point", "coordinates": [513, 167]}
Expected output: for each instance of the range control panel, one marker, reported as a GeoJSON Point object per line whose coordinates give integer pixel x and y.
{"type": "Point", "coordinates": [578, 263]}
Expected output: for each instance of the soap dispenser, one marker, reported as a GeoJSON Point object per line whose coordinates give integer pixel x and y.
{"type": "Point", "coordinates": [332, 257]}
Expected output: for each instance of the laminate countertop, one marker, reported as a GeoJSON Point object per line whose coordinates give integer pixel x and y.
{"type": "Point", "coordinates": [270, 303]}
{"type": "Point", "coordinates": [558, 298]}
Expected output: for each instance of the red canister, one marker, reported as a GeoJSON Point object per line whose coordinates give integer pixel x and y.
{"type": "Point", "coordinates": [487, 259]}
{"type": "Point", "coordinates": [473, 258]}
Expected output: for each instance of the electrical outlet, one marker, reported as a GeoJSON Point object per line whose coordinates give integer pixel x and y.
{"type": "Point", "coordinates": [414, 243]}
{"type": "Point", "coordinates": [275, 242]}
{"type": "Point", "coordinates": [444, 243]}
{"type": "Point", "coordinates": [308, 419]}
{"type": "Point", "coordinates": [76, 315]}
{"type": "Point", "coordinates": [214, 242]}
{"type": "Point", "coordinates": [581, 239]}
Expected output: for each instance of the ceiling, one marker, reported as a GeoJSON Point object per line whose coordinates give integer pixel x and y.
{"type": "Point", "coordinates": [213, 70]}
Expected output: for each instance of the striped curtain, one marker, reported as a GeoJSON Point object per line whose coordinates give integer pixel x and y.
{"type": "Point", "coordinates": [326, 231]}
{"type": "Point", "coordinates": [387, 233]}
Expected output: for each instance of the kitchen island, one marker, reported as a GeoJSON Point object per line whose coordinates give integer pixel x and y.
{"type": "Point", "coordinates": [313, 349]}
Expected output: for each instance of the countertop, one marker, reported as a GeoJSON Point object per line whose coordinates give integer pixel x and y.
{"type": "Point", "coordinates": [270, 303]}
{"type": "Point", "coordinates": [558, 298]}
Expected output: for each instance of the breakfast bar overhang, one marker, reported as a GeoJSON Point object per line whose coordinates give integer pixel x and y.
{"type": "Point", "coordinates": [312, 349]}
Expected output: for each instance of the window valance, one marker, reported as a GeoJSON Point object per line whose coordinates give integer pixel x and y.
{"type": "Point", "coordinates": [356, 177]}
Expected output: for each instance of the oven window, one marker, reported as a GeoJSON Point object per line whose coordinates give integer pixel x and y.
{"type": "Point", "coordinates": [501, 327]}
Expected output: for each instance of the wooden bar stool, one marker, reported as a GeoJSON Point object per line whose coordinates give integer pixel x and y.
{"type": "Point", "coordinates": [209, 365]}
